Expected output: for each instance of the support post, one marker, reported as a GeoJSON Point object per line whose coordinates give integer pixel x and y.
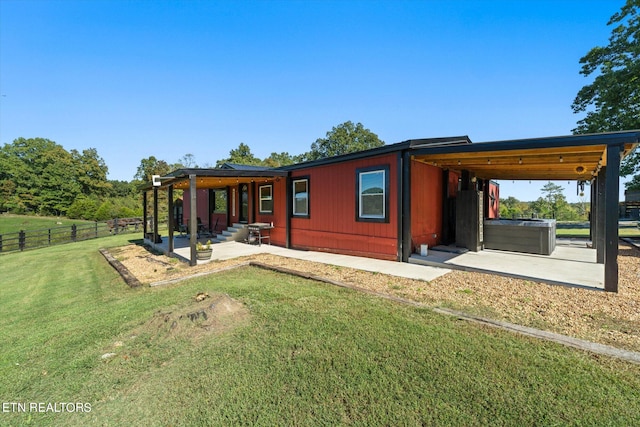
{"type": "Point", "coordinates": [171, 219]}
{"type": "Point", "coordinates": [406, 208]}
{"type": "Point", "coordinates": [445, 207]}
{"type": "Point", "coordinates": [601, 180]}
{"type": "Point", "coordinates": [289, 195]}
{"type": "Point", "coordinates": [193, 219]}
{"type": "Point", "coordinates": [145, 214]}
{"type": "Point", "coordinates": [155, 215]}
{"type": "Point", "coordinates": [592, 214]}
{"type": "Point", "coordinates": [611, 218]}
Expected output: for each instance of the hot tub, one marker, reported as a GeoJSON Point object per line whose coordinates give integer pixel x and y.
{"type": "Point", "coordinates": [533, 236]}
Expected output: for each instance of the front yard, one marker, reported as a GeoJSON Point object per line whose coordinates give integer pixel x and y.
{"type": "Point", "coordinates": [279, 350]}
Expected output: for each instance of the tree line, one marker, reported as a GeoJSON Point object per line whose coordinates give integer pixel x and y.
{"type": "Point", "coordinates": [552, 204]}
{"type": "Point", "coordinates": [39, 176]}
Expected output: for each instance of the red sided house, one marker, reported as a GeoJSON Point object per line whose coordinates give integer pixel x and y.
{"type": "Point", "coordinates": [386, 202]}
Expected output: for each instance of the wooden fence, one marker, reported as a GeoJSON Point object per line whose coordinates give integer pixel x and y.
{"type": "Point", "coordinates": [32, 239]}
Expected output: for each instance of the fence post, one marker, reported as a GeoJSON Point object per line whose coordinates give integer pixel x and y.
{"type": "Point", "coordinates": [74, 231]}
{"type": "Point", "coordinates": [115, 223]}
{"type": "Point", "coordinates": [49, 237]}
{"type": "Point", "coordinates": [21, 240]}
{"type": "Point", "coordinates": [96, 229]}
{"type": "Point", "coordinates": [0, 242]}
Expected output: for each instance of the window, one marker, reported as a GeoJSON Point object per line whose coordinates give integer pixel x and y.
{"type": "Point", "coordinates": [373, 194]}
{"type": "Point", "coordinates": [220, 201]}
{"type": "Point", "coordinates": [301, 197]}
{"type": "Point", "coordinates": [266, 199]}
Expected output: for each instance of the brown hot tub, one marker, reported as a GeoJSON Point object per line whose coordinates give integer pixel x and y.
{"type": "Point", "coordinates": [533, 236]}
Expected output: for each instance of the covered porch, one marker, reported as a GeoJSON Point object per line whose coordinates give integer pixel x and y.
{"type": "Point", "coordinates": [249, 195]}
{"type": "Point", "coordinates": [584, 158]}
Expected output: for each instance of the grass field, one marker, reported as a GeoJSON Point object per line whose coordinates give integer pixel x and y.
{"type": "Point", "coordinates": [14, 223]}
{"type": "Point", "coordinates": [306, 354]}
{"type": "Point", "coordinates": [584, 232]}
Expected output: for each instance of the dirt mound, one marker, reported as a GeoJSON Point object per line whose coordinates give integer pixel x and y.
{"type": "Point", "coordinates": [206, 315]}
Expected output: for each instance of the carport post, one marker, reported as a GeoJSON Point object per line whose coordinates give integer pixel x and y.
{"type": "Point", "coordinates": [611, 214]}
{"type": "Point", "coordinates": [601, 183]}
{"type": "Point", "coordinates": [155, 215]}
{"type": "Point", "coordinates": [592, 214]}
{"type": "Point", "coordinates": [144, 214]}
{"type": "Point", "coordinates": [171, 219]}
{"type": "Point", "coordinates": [193, 219]}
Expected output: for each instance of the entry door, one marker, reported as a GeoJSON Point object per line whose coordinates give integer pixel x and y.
{"type": "Point", "coordinates": [244, 203]}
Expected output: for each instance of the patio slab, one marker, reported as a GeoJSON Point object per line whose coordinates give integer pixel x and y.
{"type": "Point", "coordinates": [573, 263]}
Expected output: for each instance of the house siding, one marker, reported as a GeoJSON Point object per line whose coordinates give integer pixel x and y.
{"type": "Point", "coordinates": [332, 225]}
{"type": "Point", "coordinates": [426, 204]}
{"type": "Point", "coordinates": [279, 215]}
{"type": "Point", "coordinates": [202, 206]}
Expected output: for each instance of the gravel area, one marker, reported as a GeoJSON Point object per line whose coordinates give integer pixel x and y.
{"type": "Point", "coordinates": [606, 318]}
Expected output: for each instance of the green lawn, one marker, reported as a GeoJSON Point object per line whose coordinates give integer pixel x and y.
{"type": "Point", "coordinates": [309, 354]}
{"type": "Point", "coordinates": [584, 232]}
{"type": "Point", "coordinates": [14, 223]}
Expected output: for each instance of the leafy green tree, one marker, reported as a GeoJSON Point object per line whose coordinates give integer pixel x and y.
{"type": "Point", "coordinates": [511, 208]}
{"type": "Point", "coordinates": [241, 155]}
{"type": "Point", "coordinates": [106, 211]}
{"type": "Point", "coordinates": [276, 160]}
{"type": "Point", "coordinates": [612, 100]}
{"type": "Point", "coordinates": [38, 176]}
{"type": "Point", "coordinates": [151, 166]}
{"type": "Point", "coordinates": [186, 161]}
{"type": "Point", "coordinates": [83, 207]}
{"type": "Point", "coordinates": [91, 171]}
{"type": "Point", "coordinates": [58, 183]}
{"type": "Point", "coordinates": [122, 189]}
{"type": "Point", "coordinates": [554, 204]}
{"type": "Point", "coordinates": [342, 139]}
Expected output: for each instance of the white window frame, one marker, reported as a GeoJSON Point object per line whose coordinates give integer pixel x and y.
{"type": "Point", "coordinates": [306, 198]}
{"type": "Point", "coordinates": [263, 199]}
{"type": "Point", "coordinates": [377, 217]}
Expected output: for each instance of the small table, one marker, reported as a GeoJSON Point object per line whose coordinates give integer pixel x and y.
{"type": "Point", "coordinates": [256, 230]}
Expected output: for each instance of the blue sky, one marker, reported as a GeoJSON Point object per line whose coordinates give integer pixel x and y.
{"type": "Point", "coordinates": [166, 78]}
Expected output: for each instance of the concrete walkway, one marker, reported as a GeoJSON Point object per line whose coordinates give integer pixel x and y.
{"type": "Point", "coordinates": [228, 250]}
{"type": "Point", "coordinates": [571, 264]}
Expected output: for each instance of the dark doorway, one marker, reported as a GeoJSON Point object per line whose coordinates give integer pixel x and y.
{"type": "Point", "coordinates": [244, 203]}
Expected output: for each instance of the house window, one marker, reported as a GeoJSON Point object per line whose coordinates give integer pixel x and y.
{"type": "Point", "coordinates": [266, 199]}
{"type": "Point", "coordinates": [373, 194]}
{"type": "Point", "coordinates": [301, 197]}
{"type": "Point", "coordinates": [220, 201]}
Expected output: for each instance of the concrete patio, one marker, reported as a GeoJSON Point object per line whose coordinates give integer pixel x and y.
{"type": "Point", "coordinates": [571, 264]}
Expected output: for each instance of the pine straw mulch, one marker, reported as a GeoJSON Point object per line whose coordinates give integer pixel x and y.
{"type": "Point", "coordinates": [602, 317]}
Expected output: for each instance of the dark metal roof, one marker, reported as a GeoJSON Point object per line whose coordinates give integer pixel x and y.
{"type": "Point", "coordinates": [608, 138]}
{"type": "Point", "coordinates": [240, 167]}
{"type": "Point", "coordinates": [183, 174]}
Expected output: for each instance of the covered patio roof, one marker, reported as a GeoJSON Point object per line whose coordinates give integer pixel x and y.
{"type": "Point", "coordinates": [216, 178]}
{"type": "Point", "coordinates": [575, 157]}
